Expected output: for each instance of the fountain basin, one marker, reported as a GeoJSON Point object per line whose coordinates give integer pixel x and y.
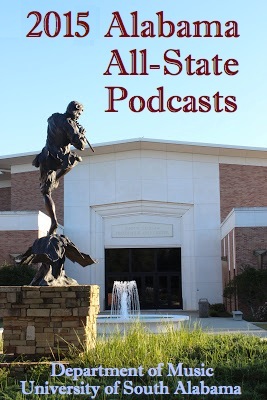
{"type": "Point", "coordinates": [153, 323]}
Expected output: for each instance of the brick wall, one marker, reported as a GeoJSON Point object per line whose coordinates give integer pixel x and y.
{"type": "Point", "coordinates": [248, 240]}
{"type": "Point", "coordinates": [26, 195]}
{"type": "Point", "coordinates": [237, 250]}
{"type": "Point", "coordinates": [15, 242]}
{"type": "Point", "coordinates": [5, 199]}
{"type": "Point", "coordinates": [242, 186]}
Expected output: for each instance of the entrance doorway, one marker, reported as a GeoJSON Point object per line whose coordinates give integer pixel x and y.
{"type": "Point", "coordinates": [157, 272]}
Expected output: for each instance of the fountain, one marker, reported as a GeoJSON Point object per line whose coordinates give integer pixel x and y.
{"type": "Point", "coordinates": [125, 311]}
{"type": "Point", "coordinates": [125, 299]}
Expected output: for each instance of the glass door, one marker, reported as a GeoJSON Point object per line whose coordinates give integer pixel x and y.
{"type": "Point", "coordinates": [157, 272]}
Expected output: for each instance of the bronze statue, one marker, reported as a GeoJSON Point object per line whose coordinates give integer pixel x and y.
{"type": "Point", "coordinates": [57, 159]}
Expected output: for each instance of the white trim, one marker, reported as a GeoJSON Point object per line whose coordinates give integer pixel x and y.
{"type": "Point", "coordinates": [244, 217]}
{"type": "Point", "coordinates": [138, 246]}
{"type": "Point", "coordinates": [5, 184]}
{"type": "Point", "coordinates": [234, 249]}
{"type": "Point", "coordinates": [103, 217]}
{"type": "Point", "coordinates": [17, 169]}
{"type": "Point", "coordinates": [226, 153]}
{"type": "Point", "coordinates": [142, 207]}
{"type": "Point", "coordinates": [229, 252]}
{"type": "Point", "coordinates": [25, 221]}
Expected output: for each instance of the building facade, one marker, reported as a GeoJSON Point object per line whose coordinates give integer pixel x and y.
{"type": "Point", "coordinates": [179, 218]}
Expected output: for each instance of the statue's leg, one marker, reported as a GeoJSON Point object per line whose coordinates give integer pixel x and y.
{"type": "Point", "coordinates": [51, 209]}
{"type": "Point", "coordinates": [63, 172]}
{"type": "Point", "coordinates": [70, 160]}
{"type": "Point", "coordinates": [48, 183]}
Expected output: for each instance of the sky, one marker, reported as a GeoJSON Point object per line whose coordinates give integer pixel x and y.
{"type": "Point", "coordinates": [41, 75]}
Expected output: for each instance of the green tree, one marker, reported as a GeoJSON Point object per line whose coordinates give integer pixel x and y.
{"type": "Point", "coordinates": [250, 287]}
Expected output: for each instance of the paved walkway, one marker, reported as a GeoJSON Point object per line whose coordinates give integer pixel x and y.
{"type": "Point", "coordinates": [218, 325]}
{"type": "Point", "coordinates": [214, 325]}
{"type": "Point", "coordinates": [227, 325]}
{"type": "Point", "coordinates": [223, 325]}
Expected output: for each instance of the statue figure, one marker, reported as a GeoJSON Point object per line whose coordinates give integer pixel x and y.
{"type": "Point", "coordinates": [56, 158]}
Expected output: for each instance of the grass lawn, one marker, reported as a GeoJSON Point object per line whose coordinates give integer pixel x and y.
{"type": "Point", "coordinates": [237, 361]}
{"type": "Point", "coordinates": [262, 325]}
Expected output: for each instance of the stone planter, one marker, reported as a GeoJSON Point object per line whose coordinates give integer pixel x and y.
{"type": "Point", "coordinates": [46, 320]}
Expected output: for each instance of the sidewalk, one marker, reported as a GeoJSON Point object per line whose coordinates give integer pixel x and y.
{"type": "Point", "coordinates": [227, 325]}
{"type": "Point", "coordinates": [218, 325]}
{"type": "Point", "coordinates": [213, 324]}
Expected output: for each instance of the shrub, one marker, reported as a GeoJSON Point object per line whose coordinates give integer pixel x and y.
{"type": "Point", "coordinates": [250, 287]}
{"type": "Point", "coordinates": [218, 307]}
{"type": "Point", "coordinates": [261, 314]}
{"type": "Point", "coordinates": [15, 275]}
{"type": "Point", "coordinates": [218, 310]}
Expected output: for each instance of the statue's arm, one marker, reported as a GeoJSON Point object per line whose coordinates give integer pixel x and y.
{"type": "Point", "coordinates": [76, 134]}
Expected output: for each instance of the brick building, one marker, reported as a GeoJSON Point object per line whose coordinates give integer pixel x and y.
{"type": "Point", "coordinates": [179, 218]}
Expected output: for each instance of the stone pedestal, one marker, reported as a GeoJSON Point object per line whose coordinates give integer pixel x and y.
{"type": "Point", "coordinates": [43, 320]}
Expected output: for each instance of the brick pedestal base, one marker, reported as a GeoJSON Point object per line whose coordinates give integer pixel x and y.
{"type": "Point", "coordinates": [47, 320]}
